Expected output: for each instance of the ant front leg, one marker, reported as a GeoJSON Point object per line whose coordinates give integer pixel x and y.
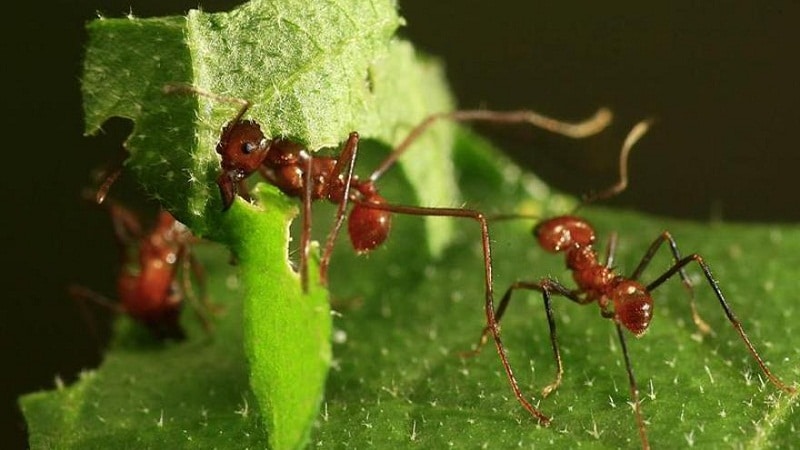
{"type": "Point", "coordinates": [201, 305]}
{"type": "Point", "coordinates": [85, 294]}
{"type": "Point", "coordinates": [305, 235]}
{"type": "Point", "coordinates": [611, 250]}
{"type": "Point", "coordinates": [81, 295]}
{"type": "Point", "coordinates": [105, 186]}
{"type": "Point", "coordinates": [701, 324]}
{"type": "Point", "coordinates": [341, 190]}
{"type": "Point", "coordinates": [127, 227]}
{"type": "Point", "coordinates": [637, 408]}
{"type": "Point", "coordinates": [678, 268]}
{"type": "Point", "coordinates": [547, 287]}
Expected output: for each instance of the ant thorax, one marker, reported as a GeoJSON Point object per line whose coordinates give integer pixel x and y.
{"type": "Point", "coordinates": [591, 277]}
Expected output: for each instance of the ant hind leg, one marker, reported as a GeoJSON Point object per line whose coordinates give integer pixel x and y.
{"type": "Point", "coordinates": [81, 295]}
{"type": "Point", "coordinates": [737, 325]}
{"type": "Point", "coordinates": [637, 407]}
{"type": "Point", "coordinates": [200, 303]}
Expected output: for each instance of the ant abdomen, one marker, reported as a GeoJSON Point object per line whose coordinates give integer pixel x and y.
{"type": "Point", "coordinates": [368, 227]}
{"type": "Point", "coordinates": [633, 306]}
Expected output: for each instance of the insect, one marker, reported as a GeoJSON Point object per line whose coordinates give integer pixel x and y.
{"type": "Point", "coordinates": [156, 271]}
{"type": "Point", "coordinates": [623, 299]}
{"type": "Point", "coordinates": [244, 150]}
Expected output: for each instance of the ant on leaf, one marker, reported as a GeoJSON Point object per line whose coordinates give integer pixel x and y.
{"type": "Point", "coordinates": [157, 266]}
{"type": "Point", "coordinates": [244, 150]}
{"type": "Point", "coordinates": [622, 299]}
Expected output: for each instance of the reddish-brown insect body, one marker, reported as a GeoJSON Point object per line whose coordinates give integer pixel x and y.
{"type": "Point", "coordinates": [153, 279]}
{"type": "Point", "coordinates": [626, 301]}
{"type": "Point", "coordinates": [288, 166]}
{"type": "Point", "coordinates": [622, 299]}
{"type": "Point", "coordinates": [147, 287]}
{"type": "Point", "coordinates": [244, 149]}
{"type": "Point", "coordinates": [368, 227]}
{"type": "Point", "coordinates": [562, 233]}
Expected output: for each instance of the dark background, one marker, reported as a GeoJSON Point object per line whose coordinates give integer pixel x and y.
{"type": "Point", "coordinates": [719, 81]}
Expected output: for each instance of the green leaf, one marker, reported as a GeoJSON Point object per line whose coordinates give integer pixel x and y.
{"type": "Point", "coordinates": [150, 394]}
{"type": "Point", "coordinates": [313, 73]}
{"type": "Point", "coordinates": [286, 333]}
{"type": "Point", "coordinates": [397, 380]}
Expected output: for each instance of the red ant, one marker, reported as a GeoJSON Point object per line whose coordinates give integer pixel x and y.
{"type": "Point", "coordinates": [147, 287]}
{"type": "Point", "coordinates": [290, 167]}
{"type": "Point", "coordinates": [621, 298]}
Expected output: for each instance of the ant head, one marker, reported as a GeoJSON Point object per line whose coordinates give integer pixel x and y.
{"type": "Point", "coordinates": [243, 147]}
{"type": "Point", "coordinates": [633, 306]}
{"type": "Point", "coordinates": [368, 227]}
{"type": "Point", "coordinates": [563, 232]}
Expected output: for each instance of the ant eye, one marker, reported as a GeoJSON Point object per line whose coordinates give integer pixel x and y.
{"type": "Point", "coordinates": [248, 147]}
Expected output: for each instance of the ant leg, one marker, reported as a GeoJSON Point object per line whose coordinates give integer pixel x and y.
{"type": "Point", "coordinates": [109, 180]}
{"type": "Point", "coordinates": [588, 127]}
{"type": "Point", "coordinates": [200, 305]}
{"type": "Point", "coordinates": [547, 287]}
{"type": "Point", "coordinates": [305, 236]}
{"type": "Point", "coordinates": [553, 340]}
{"type": "Point", "coordinates": [127, 227]}
{"type": "Point", "coordinates": [501, 309]}
{"type": "Point", "coordinates": [199, 274]}
{"type": "Point", "coordinates": [346, 162]}
{"type": "Point", "coordinates": [637, 407]}
{"type": "Point", "coordinates": [611, 249]}
{"type": "Point", "coordinates": [489, 310]}
{"type": "Point", "coordinates": [81, 295]}
{"type": "Point", "coordinates": [185, 89]}
{"type": "Point", "coordinates": [701, 324]}
{"type": "Point", "coordinates": [678, 268]}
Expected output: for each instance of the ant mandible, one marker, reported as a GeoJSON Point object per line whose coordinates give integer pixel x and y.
{"type": "Point", "coordinates": [622, 299]}
{"type": "Point", "coordinates": [290, 167]}
{"type": "Point", "coordinates": [147, 285]}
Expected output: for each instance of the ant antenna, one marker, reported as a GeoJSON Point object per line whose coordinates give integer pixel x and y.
{"type": "Point", "coordinates": [636, 133]}
{"type": "Point", "coordinates": [186, 89]}
{"type": "Point", "coordinates": [511, 216]}
{"type": "Point", "coordinates": [110, 175]}
{"type": "Point", "coordinates": [102, 191]}
{"type": "Point", "coordinates": [578, 130]}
